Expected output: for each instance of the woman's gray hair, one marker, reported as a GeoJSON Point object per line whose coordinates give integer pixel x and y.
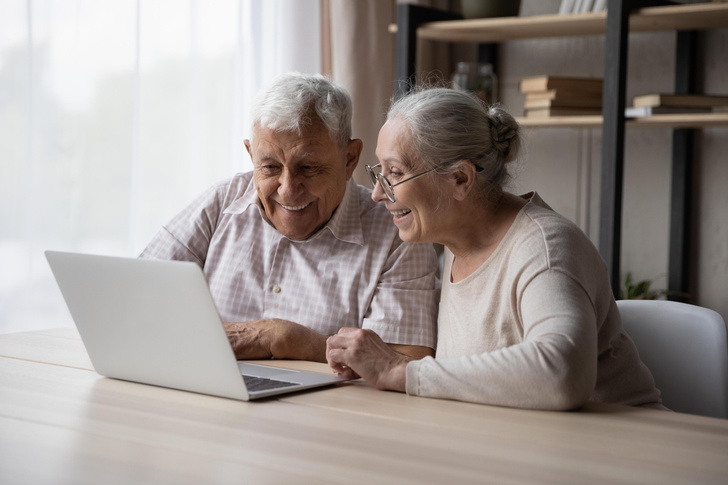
{"type": "Point", "coordinates": [448, 126]}
{"type": "Point", "coordinates": [292, 100]}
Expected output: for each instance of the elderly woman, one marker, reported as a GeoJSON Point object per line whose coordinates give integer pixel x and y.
{"type": "Point", "coordinates": [527, 317]}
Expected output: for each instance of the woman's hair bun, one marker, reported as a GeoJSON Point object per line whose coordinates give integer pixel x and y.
{"type": "Point", "coordinates": [504, 132]}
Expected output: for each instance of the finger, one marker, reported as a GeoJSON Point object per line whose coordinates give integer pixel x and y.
{"type": "Point", "coordinates": [336, 360]}
{"type": "Point", "coordinates": [335, 357]}
{"type": "Point", "coordinates": [346, 330]}
{"type": "Point", "coordinates": [342, 370]}
{"type": "Point", "coordinates": [348, 373]}
{"type": "Point", "coordinates": [337, 342]}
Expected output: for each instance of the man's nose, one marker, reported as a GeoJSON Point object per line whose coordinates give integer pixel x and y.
{"type": "Point", "coordinates": [289, 184]}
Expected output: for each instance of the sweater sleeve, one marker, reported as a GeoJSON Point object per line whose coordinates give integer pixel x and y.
{"type": "Point", "coordinates": [553, 367]}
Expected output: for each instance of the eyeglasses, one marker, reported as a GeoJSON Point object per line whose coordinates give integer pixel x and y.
{"type": "Point", "coordinates": [386, 185]}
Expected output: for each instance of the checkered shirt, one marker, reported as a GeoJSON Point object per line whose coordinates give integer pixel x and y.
{"type": "Point", "coordinates": [354, 272]}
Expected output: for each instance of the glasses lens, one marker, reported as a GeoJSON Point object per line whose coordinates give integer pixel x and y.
{"type": "Point", "coordinates": [386, 187]}
{"type": "Point", "coordinates": [375, 177]}
{"type": "Point", "coordinates": [372, 176]}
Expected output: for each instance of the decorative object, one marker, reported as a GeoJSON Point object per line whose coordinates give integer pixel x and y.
{"type": "Point", "coordinates": [478, 78]}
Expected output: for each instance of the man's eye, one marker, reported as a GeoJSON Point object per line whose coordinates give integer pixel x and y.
{"type": "Point", "coordinates": [310, 169]}
{"type": "Point", "coordinates": [269, 169]}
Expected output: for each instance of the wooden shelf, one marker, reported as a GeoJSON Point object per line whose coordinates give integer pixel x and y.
{"type": "Point", "coordinates": [561, 122]}
{"type": "Point", "coordinates": [697, 120]}
{"type": "Point", "coordinates": [653, 19]}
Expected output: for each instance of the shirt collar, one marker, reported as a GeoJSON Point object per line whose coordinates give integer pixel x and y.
{"type": "Point", "coordinates": [345, 223]}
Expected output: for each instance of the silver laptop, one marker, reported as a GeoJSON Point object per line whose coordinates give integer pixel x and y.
{"type": "Point", "coordinates": [155, 322]}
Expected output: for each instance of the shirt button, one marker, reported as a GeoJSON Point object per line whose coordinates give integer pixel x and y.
{"type": "Point", "coordinates": [276, 289]}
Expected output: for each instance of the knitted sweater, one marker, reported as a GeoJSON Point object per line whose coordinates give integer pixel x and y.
{"type": "Point", "coordinates": [535, 326]}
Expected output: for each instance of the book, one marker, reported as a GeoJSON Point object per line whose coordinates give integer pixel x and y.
{"type": "Point", "coordinates": [680, 100]}
{"type": "Point", "coordinates": [561, 94]}
{"type": "Point", "coordinates": [549, 112]}
{"type": "Point", "coordinates": [638, 111]}
{"type": "Point", "coordinates": [545, 83]}
{"type": "Point", "coordinates": [562, 102]}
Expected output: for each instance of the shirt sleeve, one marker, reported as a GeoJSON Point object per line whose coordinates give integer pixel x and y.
{"type": "Point", "coordinates": [554, 367]}
{"type": "Point", "coordinates": [403, 309]}
{"type": "Point", "coordinates": [187, 236]}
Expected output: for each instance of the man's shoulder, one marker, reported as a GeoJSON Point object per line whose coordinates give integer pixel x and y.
{"type": "Point", "coordinates": [238, 183]}
{"type": "Point", "coordinates": [235, 188]}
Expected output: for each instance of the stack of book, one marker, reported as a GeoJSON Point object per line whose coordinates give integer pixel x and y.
{"type": "Point", "coordinates": [548, 96]}
{"type": "Point", "coordinates": [653, 104]}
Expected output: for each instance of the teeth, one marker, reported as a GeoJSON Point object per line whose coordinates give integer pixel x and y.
{"type": "Point", "coordinates": [400, 213]}
{"type": "Point", "coordinates": [296, 207]}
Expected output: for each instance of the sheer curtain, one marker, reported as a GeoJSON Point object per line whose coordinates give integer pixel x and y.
{"type": "Point", "coordinates": [114, 114]}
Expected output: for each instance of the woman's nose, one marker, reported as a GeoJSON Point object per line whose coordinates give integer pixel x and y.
{"type": "Point", "coordinates": [378, 194]}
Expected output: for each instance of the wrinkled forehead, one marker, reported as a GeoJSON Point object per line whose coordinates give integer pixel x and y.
{"type": "Point", "coordinates": [314, 144]}
{"type": "Point", "coordinates": [307, 128]}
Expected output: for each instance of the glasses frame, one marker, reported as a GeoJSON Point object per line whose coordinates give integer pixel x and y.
{"type": "Point", "coordinates": [387, 186]}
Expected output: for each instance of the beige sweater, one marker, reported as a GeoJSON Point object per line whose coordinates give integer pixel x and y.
{"type": "Point", "coordinates": [536, 326]}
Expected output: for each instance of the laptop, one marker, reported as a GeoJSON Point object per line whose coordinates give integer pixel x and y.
{"type": "Point", "coordinates": [155, 322]}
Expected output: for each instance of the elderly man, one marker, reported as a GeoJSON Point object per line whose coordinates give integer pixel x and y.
{"type": "Point", "coordinates": [295, 250]}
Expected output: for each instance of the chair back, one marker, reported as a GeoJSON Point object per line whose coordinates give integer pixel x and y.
{"type": "Point", "coordinates": [686, 349]}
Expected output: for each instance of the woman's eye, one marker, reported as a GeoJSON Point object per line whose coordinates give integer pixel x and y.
{"type": "Point", "coordinates": [394, 174]}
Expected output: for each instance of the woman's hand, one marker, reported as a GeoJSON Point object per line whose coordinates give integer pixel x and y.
{"type": "Point", "coordinates": [354, 353]}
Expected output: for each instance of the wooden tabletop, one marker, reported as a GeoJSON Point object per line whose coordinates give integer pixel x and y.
{"type": "Point", "coordinates": [60, 422]}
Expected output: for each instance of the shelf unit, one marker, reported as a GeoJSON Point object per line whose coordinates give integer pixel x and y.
{"type": "Point", "coordinates": [693, 120]}
{"type": "Point", "coordinates": [620, 19]}
{"type": "Point", "coordinates": [649, 19]}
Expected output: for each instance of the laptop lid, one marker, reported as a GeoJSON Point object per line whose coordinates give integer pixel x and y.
{"type": "Point", "coordinates": [155, 322]}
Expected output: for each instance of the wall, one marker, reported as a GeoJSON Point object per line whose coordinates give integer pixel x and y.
{"type": "Point", "coordinates": [564, 164]}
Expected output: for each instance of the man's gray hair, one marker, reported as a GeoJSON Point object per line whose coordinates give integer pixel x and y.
{"type": "Point", "coordinates": [292, 100]}
{"type": "Point", "coordinates": [447, 126]}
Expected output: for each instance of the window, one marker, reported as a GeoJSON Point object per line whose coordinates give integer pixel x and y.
{"type": "Point", "coordinates": [115, 114]}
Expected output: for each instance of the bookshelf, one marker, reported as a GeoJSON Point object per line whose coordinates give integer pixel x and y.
{"type": "Point", "coordinates": [621, 18]}
{"type": "Point", "coordinates": [692, 120]}
{"type": "Point", "coordinates": [649, 19]}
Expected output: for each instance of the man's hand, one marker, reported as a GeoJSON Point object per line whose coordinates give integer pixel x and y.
{"type": "Point", "coordinates": [282, 339]}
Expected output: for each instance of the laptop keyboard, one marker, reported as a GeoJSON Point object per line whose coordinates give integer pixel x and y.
{"type": "Point", "coordinates": [264, 384]}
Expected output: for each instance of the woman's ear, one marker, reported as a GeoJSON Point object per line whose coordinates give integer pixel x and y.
{"type": "Point", "coordinates": [464, 179]}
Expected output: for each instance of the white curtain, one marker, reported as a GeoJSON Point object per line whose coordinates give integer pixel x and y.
{"type": "Point", "coordinates": [114, 114]}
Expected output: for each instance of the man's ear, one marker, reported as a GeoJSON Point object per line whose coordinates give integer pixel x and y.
{"type": "Point", "coordinates": [353, 152]}
{"type": "Point", "coordinates": [247, 147]}
{"type": "Point", "coordinates": [463, 179]}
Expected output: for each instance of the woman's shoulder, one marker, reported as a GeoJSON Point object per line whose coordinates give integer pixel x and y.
{"type": "Point", "coordinates": [542, 219]}
{"type": "Point", "coordinates": [541, 229]}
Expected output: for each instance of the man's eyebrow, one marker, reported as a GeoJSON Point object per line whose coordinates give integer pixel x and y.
{"type": "Point", "coordinates": [304, 155]}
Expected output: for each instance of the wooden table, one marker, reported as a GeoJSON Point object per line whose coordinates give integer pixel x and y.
{"type": "Point", "coordinates": [60, 422]}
